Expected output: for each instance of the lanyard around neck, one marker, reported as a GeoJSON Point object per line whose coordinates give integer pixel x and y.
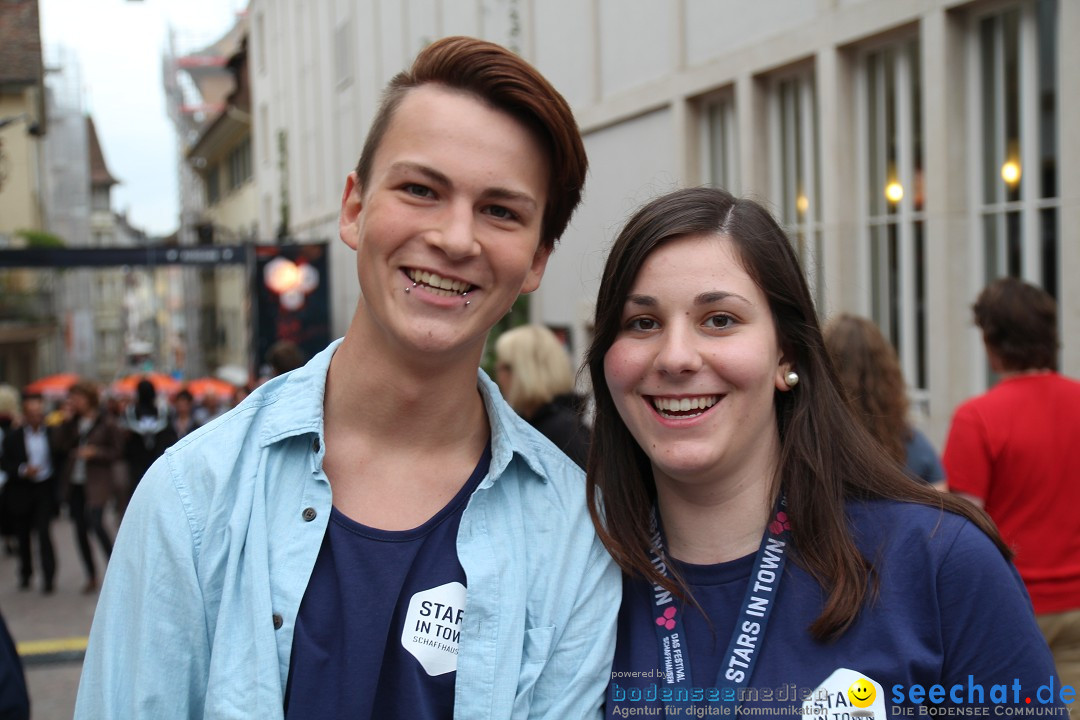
{"type": "Point", "coordinates": [747, 638]}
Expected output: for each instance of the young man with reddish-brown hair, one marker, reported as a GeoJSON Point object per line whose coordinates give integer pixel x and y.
{"type": "Point", "coordinates": [376, 534]}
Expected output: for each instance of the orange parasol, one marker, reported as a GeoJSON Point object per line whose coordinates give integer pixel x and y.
{"type": "Point", "coordinates": [201, 387]}
{"type": "Point", "coordinates": [162, 383]}
{"type": "Point", "coordinates": [52, 385]}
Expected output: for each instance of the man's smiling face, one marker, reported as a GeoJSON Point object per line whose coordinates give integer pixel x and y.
{"type": "Point", "coordinates": [453, 211]}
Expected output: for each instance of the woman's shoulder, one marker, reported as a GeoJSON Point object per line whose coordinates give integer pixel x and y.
{"type": "Point", "coordinates": [946, 556]}
{"type": "Point", "coordinates": [885, 528]}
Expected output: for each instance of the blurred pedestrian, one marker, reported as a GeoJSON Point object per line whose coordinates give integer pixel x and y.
{"type": "Point", "coordinates": [208, 408]}
{"type": "Point", "coordinates": [1015, 451]}
{"type": "Point", "coordinates": [14, 698]}
{"type": "Point", "coordinates": [283, 356]}
{"type": "Point", "coordinates": [93, 442]}
{"type": "Point", "coordinates": [149, 434]}
{"type": "Point", "coordinates": [31, 459]}
{"type": "Point", "coordinates": [240, 394]}
{"type": "Point", "coordinates": [183, 414]}
{"type": "Point", "coordinates": [9, 415]}
{"type": "Point", "coordinates": [874, 384]}
{"type": "Point", "coordinates": [532, 369]}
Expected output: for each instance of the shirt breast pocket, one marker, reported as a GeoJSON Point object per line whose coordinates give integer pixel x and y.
{"type": "Point", "coordinates": [534, 656]}
{"type": "Point", "coordinates": [537, 646]}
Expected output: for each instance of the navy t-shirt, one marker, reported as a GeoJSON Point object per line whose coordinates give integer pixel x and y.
{"type": "Point", "coordinates": [378, 629]}
{"type": "Point", "coordinates": [922, 460]}
{"type": "Point", "coordinates": [949, 611]}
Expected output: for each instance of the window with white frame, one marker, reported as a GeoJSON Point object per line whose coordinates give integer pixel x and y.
{"type": "Point", "coordinates": [720, 143]}
{"type": "Point", "coordinates": [239, 164]}
{"type": "Point", "coordinates": [891, 137]}
{"type": "Point", "coordinates": [213, 184]}
{"type": "Point", "coordinates": [1014, 62]}
{"type": "Point", "coordinates": [796, 171]}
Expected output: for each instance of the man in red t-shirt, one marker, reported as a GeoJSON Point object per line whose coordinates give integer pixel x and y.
{"type": "Point", "coordinates": [1015, 451]}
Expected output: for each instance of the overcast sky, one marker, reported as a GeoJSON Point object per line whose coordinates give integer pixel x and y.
{"type": "Point", "coordinates": [119, 44]}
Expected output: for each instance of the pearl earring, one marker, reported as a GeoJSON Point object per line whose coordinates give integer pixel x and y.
{"type": "Point", "coordinates": [792, 378]}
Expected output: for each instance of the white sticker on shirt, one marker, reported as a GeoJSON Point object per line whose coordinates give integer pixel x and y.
{"type": "Point", "coordinates": [847, 695]}
{"type": "Point", "coordinates": [433, 627]}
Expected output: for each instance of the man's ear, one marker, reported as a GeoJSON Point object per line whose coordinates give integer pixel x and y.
{"type": "Point", "coordinates": [536, 270]}
{"type": "Point", "coordinates": [352, 202]}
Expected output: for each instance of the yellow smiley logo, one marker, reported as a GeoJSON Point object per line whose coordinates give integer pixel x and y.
{"type": "Point", "coordinates": [862, 693]}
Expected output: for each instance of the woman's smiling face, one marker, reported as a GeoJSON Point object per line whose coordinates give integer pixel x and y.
{"type": "Point", "coordinates": [695, 366]}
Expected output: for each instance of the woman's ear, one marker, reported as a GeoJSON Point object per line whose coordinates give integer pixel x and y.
{"type": "Point", "coordinates": [787, 376]}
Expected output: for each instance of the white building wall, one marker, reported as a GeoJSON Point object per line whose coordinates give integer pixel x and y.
{"type": "Point", "coordinates": [635, 72]}
{"type": "Point", "coordinates": [717, 28]}
{"type": "Point", "coordinates": [640, 51]}
{"type": "Point", "coordinates": [618, 182]}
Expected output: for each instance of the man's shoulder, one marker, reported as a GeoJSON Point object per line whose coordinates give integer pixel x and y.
{"type": "Point", "coordinates": [540, 456]}
{"type": "Point", "coordinates": [289, 404]}
{"type": "Point", "coordinates": [511, 432]}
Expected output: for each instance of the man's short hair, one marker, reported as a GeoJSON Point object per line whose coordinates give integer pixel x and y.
{"type": "Point", "coordinates": [1019, 324]}
{"type": "Point", "coordinates": [504, 81]}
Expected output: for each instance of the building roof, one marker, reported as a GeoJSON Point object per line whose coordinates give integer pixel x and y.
{"type": "Point", "coordinates": [20, 42]}
{"type": "Point", "coordinates": [210, 71]}
{"type": "Point", "coordinates": [99, 172]}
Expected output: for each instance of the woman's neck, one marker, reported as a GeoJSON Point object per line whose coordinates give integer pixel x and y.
{"type": "Point", "coordinates": [709, 524]}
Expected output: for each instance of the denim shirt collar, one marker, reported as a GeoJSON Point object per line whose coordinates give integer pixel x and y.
{"type": "Point", "coordinates": [295, 407]}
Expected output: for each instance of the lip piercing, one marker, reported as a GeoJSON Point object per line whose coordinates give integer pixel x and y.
{"type": "Point", "coordinates": [410, 288]}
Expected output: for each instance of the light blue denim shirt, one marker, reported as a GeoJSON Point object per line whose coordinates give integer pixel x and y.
{"type": "Point", "coordinates": [197, 611]}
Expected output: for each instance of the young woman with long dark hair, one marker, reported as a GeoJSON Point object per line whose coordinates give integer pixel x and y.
{"type": "Point", "coordinates": [773, 553]}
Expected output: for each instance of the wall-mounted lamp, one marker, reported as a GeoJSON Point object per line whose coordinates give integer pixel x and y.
{"type": "Point", "coordinates": [894, 192]}
{"type": "Point", "coordinates": [802, 203]}
{"type": "Point", "coordinates": [1010, 173]}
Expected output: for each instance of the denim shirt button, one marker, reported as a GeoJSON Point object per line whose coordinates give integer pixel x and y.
{"type": "Point", "coordinates": [309, 514]}
{"type": "Point", "coordinates": [278, 622]}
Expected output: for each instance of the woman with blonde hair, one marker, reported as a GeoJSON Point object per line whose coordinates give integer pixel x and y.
{"type": "Point", "coordinates": [533, 371]}
{"type": "Point", "coordinates": [875, 389]}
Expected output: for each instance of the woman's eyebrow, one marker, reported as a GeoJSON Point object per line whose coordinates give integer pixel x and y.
{"type": "Point", "coordinates": [708, 298]}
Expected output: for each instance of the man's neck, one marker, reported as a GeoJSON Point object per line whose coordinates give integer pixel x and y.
{"type": "Point", "coordinates": [369, 393]}
{"type": "Point", "coordinates": [400, 443]}
{"type": "Point", "coordinates": [1009, 374]}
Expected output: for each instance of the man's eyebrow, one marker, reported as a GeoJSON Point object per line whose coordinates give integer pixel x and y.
{"type": "Point", "coordinates": [498, 193]}
{"type": "Point", "coordinates": [428, 172]}
{"type": "Point", "coordinates": [494, 193]}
